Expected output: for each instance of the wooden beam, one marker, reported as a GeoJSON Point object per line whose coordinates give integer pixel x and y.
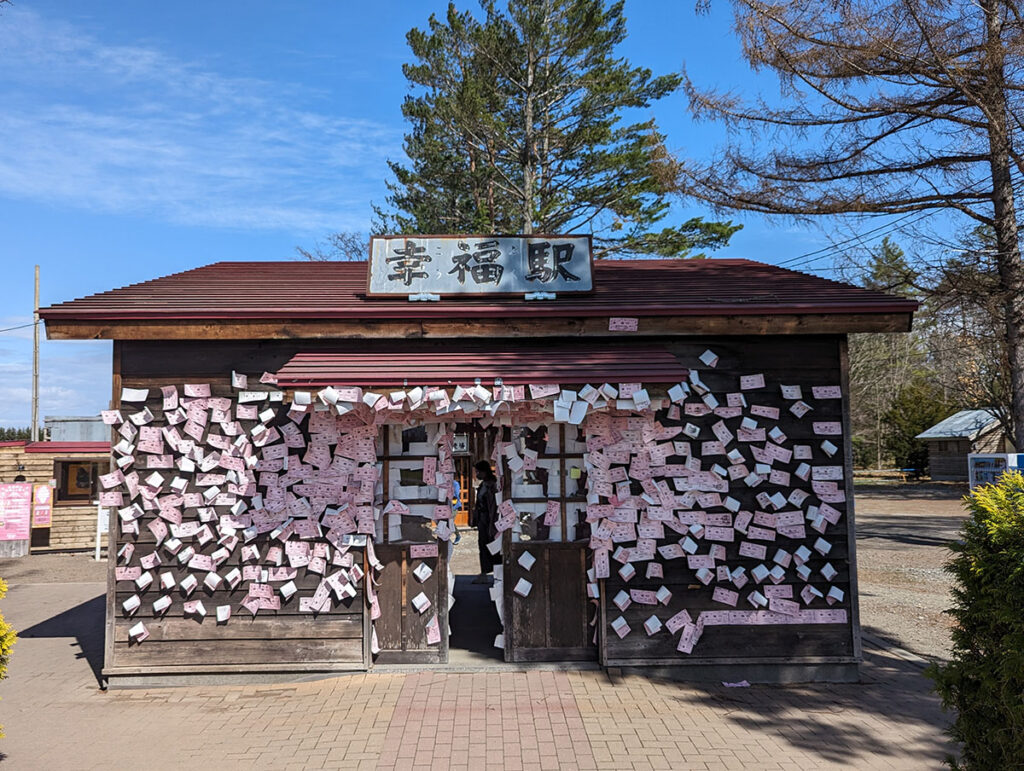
{"type": "Point", "coordinates": [113, 529]}
{"type": "Point", "coordinates": [851, 525]}
{"type": "Point", "coordinates": [682, 326]}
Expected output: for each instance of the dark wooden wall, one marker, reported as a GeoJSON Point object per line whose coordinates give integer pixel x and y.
{"type": "Point", "coordinates": [341, 636]}
{"type": "Point", "coordinates": [552, 622]}
{"type": "Point", "coordinates": [401, 630]}
{"type": "Point", "coordinates": [949, 464]}
{"type": "Point", "coordinates": [803, 361]}
{"type": "Point", "coordinates": [272, 640]}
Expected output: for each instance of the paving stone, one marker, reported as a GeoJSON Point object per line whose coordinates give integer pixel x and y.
{"type": "Point", "coordinates": [497, 720]}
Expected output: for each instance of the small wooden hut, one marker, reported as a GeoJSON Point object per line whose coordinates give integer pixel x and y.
{"type": "Point", "coordinates": [672, 447]}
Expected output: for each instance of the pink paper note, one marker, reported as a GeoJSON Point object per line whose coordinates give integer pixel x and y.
{"type": "Point", "coordinates": [197, 390]}
{"type": "Point", "coordinates": [170, 397]}
{"type": "Point", "coordinates": [429, 470]}
{"type": "Point", "coordinates": [827, 428]}
{"type": "Point", "coordinates": [422, 550]}
{"type": "Point", "coordinates": [622, 324]}
{"type": "Point", "coordinates": [725, 596]}
{"type": "Point", "coordinates": [643, 597]}
{"type": "Point", "coordinates": [753, 550]}
{"type": "Point", "coordinates": [552, 513]}
{"type": "Point", "coordinates": [827, 392]}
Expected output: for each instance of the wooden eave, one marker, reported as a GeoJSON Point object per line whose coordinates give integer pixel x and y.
{"type": "Point", "coordinates": [287, 329]}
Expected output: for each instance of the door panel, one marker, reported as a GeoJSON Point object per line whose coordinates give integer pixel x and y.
{"type": "Point", "coordinates": [552, 622]}
{"type": "Point", "coordinates": [401, 630]}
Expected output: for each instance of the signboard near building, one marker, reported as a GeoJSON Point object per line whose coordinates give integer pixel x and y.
{"type": "Point", "coordinates": [15, 511]}
{"type": "Point", "coordinates": [468, 265]}
{"type": "Point", "coordinates": [42, 505]}
{"type": "Point", "coordinates": [987, 468]}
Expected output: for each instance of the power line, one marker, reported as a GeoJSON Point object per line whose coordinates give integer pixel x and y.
{"type": "Point", "coordinates": [858, 237]}
{"type": "Point", "coordinates": [893, 226]}
{"type": "Point", "coordinates": [23, 326]}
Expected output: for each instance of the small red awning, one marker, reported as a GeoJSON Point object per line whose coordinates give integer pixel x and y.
{"type": "Point", "coordinates": [458, 365]}
{"type": "Point", "coordinates": [91, 448]}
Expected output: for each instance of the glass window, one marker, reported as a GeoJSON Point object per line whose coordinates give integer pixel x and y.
{"type": "Point", "coordinates": [77, 480]}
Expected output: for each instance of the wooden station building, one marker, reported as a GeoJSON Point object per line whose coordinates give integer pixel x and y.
{"type": "Point", "coordinates": [672, 446]}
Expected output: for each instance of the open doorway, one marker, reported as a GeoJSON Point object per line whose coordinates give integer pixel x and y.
{"type": "Point", "coordinates": [431, 607]}
{"type": "Point", "coordinates": [473, 617]}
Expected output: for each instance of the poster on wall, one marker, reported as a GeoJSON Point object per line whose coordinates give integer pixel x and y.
{"type": "Point", "coordinates": [42, 505]}
{"type": "Point", "coordinates": [15, 511]}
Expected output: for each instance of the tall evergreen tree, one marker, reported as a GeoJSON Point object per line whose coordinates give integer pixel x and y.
{"type": "Point", "coordinates": [518, 125]}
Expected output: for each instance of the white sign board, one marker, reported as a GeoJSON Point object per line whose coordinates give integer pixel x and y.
{"type": "Point", "coordinates": [467, 265]}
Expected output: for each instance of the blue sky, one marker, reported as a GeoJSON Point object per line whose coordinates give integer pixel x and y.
{"type": "Point", "coordinates": [142, 139]}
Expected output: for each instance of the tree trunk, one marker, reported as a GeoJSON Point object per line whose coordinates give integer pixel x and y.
{"type": "Point", "coordinates": [878, 436]}
{"type": "Point", "coordinates": [527, 161]}
{"type": "Point", "coordinates": [1008, 258]}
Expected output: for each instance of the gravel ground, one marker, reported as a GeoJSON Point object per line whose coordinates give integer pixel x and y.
{"type": "Point", "coordinates": [902, 537]}
{"type": "Point", "coordinates": [56, 568]}
{"type": "Point", "coordinates": [902, 532]}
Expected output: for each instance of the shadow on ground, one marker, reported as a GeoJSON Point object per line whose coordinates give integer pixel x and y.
{"type": "Point", "coordinates": [84, 622]}
{"type": "Point", "coordinates": [473, 619]}
{"type": "Point", "coordinates": [938, 491]}
{"type": "Point", "coordinates": [909, 529]}
{"type": "Point", "coordinates": [835, 721]}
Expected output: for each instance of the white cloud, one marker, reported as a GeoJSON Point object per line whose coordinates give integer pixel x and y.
{"type": "Point", "coordinates": [74, 379]}
{"type": "Point", "coordinates": [130, 129]}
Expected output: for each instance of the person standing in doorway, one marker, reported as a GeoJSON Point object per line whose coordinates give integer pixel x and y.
{"type": "Point", "coordinates": [485, 516]}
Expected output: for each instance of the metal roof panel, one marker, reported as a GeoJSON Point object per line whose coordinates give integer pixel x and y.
{"type": "Point", "coordinates": [337, 290]}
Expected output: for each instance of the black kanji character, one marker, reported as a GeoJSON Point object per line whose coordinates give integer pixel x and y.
{"type": "Point", "coordinates": [408, 263]}
{"type": "Point", "coordinates": [485, 268]}
{"type": "Point", "coordinates": [546, 267]}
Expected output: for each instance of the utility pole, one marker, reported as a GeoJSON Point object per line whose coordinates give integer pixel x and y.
{"type": "Point", "coordinates": [35, 362]}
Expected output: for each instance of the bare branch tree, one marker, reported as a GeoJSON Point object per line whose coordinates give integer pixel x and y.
{"type": "Point", "coordinates": [889, 107]}
{"type": "Point", "coordinates": [345, 245]}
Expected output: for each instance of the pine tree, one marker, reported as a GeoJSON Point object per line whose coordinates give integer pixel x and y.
{"type": "Point", "coordinates": [517, 126]}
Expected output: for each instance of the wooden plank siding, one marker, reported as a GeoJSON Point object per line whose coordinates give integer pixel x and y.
{"type": "Point", "coordinates": [284, 640]}
{"type": "Point", "coordinates": [552, 623]}
{"type": "Point", "coordinates": [401, 630]}
{"type": "Point", "coordinates": [947, 459]}
{"type": "Point", "coordinates": [806, 362]}
{"type": "Point", "coordinates": [333, 330]}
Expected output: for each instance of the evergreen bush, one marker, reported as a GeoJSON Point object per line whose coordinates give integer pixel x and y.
{"type": "Point", "coordinates": [984, 681]}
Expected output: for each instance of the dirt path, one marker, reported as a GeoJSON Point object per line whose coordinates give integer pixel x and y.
{"type": "Point", "coordinates": [902, 537]}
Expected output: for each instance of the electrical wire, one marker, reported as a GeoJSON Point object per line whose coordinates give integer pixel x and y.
{"type": "Point", "coordinates": [23, 326]}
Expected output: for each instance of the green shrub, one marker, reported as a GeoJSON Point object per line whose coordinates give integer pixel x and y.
{"type": "Point", "coordinates": [7, 638]}
{"type": "Point", "coordinates": [984, 681]}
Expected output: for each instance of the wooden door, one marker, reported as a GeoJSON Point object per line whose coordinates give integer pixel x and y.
{"type": "Point", "coordinates": [401, 629]}
{"type": "Point", "coordinates": [552, 623]}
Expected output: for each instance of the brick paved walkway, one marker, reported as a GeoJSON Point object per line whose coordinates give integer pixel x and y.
{"type": "Point", "coordinates": [56, 718]}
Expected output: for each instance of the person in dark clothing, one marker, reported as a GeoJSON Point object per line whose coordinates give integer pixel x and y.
{"type": "Point", "coordinates": [485, 516]}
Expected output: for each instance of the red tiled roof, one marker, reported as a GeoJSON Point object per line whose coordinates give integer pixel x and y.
{"type": "Point", "coordinates": [92, 448]}
{"type": "Point", "coordinates": [466, 362]}
{"type": "Point", "coordinates": [337, 290]}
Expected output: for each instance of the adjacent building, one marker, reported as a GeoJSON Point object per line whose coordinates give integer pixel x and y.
{"type": "Point", "coordinates": [950, 441]}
